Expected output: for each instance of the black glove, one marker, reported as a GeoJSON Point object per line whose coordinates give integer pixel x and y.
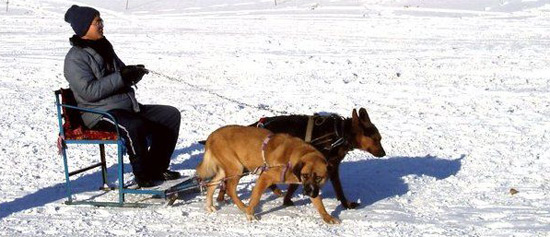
{"type": "Point", "coordinates": [132, 74]}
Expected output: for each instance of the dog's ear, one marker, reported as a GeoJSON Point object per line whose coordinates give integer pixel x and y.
{"type": "Point", "coordinates": [355, 121]}
{"type": "Point", "coordinates": [364, 116]}
{"type": "Point", "coordinates": [297, 170]}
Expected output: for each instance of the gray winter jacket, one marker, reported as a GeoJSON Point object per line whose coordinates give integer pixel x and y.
{"type": "Point", "coordinates": [84, 70]}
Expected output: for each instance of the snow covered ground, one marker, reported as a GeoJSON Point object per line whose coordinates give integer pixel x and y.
{"type": "Point", "coordinates": [459, 90]}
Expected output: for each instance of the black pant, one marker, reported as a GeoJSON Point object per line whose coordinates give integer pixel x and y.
{"type": "Point", "coordinates": [159, 123]}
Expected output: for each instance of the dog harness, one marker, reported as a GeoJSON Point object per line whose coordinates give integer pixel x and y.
{"type": "Point", "coordinates": [265, 166]}
{"type": "Point", "coordinates": [333, 139]}
{"type": "Point", "coordinates": [309, 129]}
{"type": "Point", "coordinates": [264, 146]}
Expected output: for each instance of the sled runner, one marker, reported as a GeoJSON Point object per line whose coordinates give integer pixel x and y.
{"type": "Point", "coordinates": [72, 131]}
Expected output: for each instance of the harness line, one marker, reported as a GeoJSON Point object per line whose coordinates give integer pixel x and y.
{"type": "Point", "coordinates": [260, 107]}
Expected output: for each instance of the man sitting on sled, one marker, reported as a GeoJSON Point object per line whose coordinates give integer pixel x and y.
{"type": "Point", "coordinates": [100, 80]}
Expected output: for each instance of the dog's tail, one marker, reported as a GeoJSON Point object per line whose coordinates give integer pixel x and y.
{"type": "Point", "coordinates": [208, 166]}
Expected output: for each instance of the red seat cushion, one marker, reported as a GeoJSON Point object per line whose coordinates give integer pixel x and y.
{"type": "Point", "coordinates": [87, 134]}
{"type": "Point", "coordinates": [73, 125]}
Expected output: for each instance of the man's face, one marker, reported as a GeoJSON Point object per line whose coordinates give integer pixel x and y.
{"type": "Point", "coordinates": [95, 32]}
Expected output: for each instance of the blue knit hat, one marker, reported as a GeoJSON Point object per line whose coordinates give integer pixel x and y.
{"type": "Point", "coordinates": [80, 18]}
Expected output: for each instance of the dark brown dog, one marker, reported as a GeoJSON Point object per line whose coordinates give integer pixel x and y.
{"type": "Point", "coordinates": [231, 150]}
{"type": "Point", "coordinates": [332, 135]}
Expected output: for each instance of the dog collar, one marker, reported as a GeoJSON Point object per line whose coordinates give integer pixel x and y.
{"type": "Point", "coordinates": [261, 123]}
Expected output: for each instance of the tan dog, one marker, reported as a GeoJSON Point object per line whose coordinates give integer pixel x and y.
{"type": "Point", "coordinates": [231, 150]}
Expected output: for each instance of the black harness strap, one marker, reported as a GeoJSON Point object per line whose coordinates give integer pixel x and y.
{"type": "Point", "coordinates": [333, 139]}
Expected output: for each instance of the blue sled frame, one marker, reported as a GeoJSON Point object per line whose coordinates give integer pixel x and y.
{"type": "Point", "coordinates": [187, 185]}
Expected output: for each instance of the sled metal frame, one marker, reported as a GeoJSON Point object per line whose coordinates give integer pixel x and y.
{"type": "Point", "coordinates": [188, 185]}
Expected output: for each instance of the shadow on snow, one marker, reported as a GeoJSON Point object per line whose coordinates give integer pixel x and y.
{"type": "Point", "coordinates": [87, 182]}
{"type": "Point", "coordinates": [368, 180]}
{"type": "Point", "coordinates": [375, 179]}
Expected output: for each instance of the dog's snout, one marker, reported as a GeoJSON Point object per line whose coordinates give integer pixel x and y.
{"type": "Point", "coordinates": [307, 189]}
{"type": "Point", "coordinates": [377, 152]}
{"type": "Point", "coordinates": [311, 190]}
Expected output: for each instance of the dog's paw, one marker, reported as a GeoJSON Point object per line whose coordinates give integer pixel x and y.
{"type": "Point", "coordinates": [331, 220]}
{"type": "Point", "coordinates": [288, 203]}
{"type": "Point", "coordinates": [278, 192]}
{"type": "Point", "coordinates": [244, 209]}
{"type": "Point", "coordinates": [350, 205]}
{"type": "Point", "coordinates": [251, 217]}
{"type": "Point", "coordinates": [210, 209]}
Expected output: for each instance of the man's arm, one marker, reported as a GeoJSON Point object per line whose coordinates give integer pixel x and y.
{"type": "Point", "coordinates": [83, 82]}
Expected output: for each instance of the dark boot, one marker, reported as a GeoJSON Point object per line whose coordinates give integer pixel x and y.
{"type": "Point", "coordinates": [144, 181]}
{"type": "Point", "coordinates": [167, 175]}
